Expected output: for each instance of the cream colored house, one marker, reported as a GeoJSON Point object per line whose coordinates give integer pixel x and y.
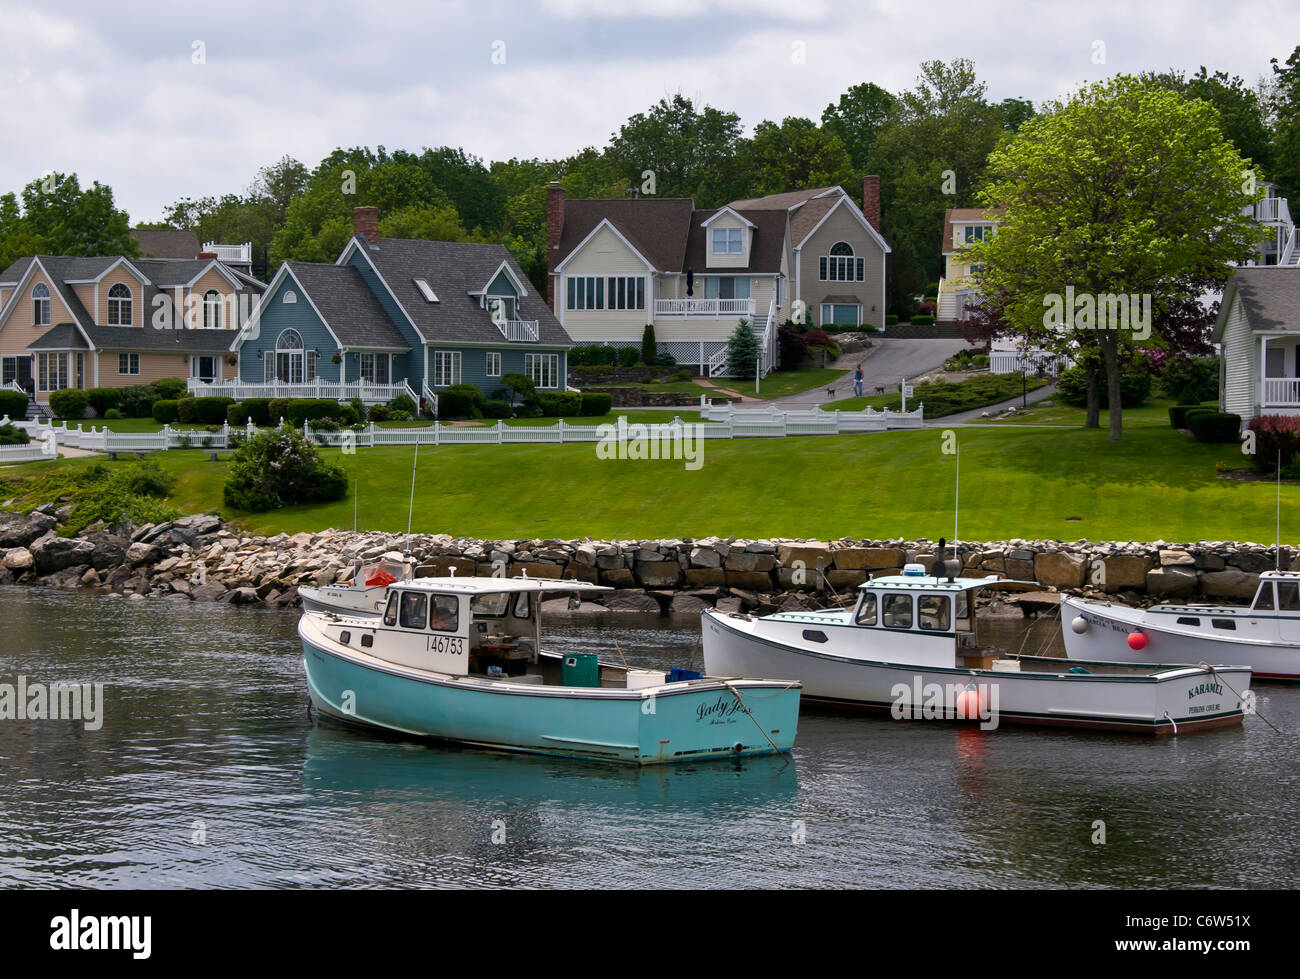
{"type": "Point", "coordinates": [619, 264]}
{"type": "Point", "coordinates": [962, 227]}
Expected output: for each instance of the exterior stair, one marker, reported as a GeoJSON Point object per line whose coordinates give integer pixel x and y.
{"type": "Point", "coordinates": [36, 410]}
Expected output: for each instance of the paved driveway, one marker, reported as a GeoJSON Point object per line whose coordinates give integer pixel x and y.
{"type": "Point", "coordinates": [882, 366]}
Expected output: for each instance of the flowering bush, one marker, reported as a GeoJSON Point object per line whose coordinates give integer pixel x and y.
{"type": "Point", "coordinates": [281, 468]}
{"type": "Point", "coordinates": [1274, 434]}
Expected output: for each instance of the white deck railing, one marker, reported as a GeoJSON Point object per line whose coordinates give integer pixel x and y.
{"type": "Point", "coordinates": [368, 392]}
{"type": "Point", "coordinates": [241, 254]}
{"type": "Point", "coordinates": [431, 397]}
{"type": "Point", "coordinates": [704, 308]}
{"type": "Point", "coordinates": [1280, 392]}
{"type": "Point", "coordinates": [524, 331]}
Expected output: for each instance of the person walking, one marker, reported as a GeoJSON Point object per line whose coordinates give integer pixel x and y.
{"type": "Point", "coordinates": [857, 380]}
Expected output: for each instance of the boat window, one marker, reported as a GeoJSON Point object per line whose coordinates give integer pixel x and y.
{"type": "Point", "coordinates": [1223, 624]}
{"type": "Point", "coordinates": [814, 635]}
{"type": "Point", "coordinates": [493, 605]}
{"type": "Point", "coordinates": [1288, 596]}
{"type": "Point", "coordinates": [414, 610]}
{"type": "Point", "coordinates": [390, 613]}
{"type": "Point", "coordinates": [933, 611]}
{"type": "Point", "coordinates": [523, 607]}
{"type": "Point", "coordinates": [445, 614]}
{"type": "Point", "coordinates": [897, 613]}
{"type": "Point", "coordinates": [367, 640]}
{"type": "Point", "coordinates": [1264, 600]}
{"type": "Point", "coordinates": [867, 610]}
{"type": "Point", "coordinates": [1188, 620]}
{"type": "Point", "coordinates": [345, 637]}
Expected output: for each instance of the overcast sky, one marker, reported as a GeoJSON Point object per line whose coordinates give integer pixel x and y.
{"type": "Point", "coordinates": [112, 90]}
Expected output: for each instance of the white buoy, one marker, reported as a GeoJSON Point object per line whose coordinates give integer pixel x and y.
{"type": "Point", "coordinates": [1079, 624]}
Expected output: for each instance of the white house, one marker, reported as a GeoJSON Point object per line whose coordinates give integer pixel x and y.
{"type": "Point", "coordinates": [1259, 332]}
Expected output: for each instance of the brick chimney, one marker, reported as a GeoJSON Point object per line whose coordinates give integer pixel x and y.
{"type": "Point", "coordinates": [206, 255]}
{"type": "Point", "coordinates": [554, 225]}
{"type": "Point", "coordinates": [871, 199]}
{"type": "Point", "coordinates": [365, 222]}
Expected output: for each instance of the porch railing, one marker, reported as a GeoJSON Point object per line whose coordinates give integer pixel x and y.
{"type": "Point", "coordinates": [519, 330]}
{"type": "Point", "coordinates": [368, 392]}
{"type": "Point", "coordinates": [1280, 392]}
{"type": "Point", "coordinates": [704, 308]}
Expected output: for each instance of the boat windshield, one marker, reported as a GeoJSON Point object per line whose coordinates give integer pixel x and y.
{"type": "Point", "coordinates": [493, 605]}
{"type": "Point", "coordinates": [381, 573]}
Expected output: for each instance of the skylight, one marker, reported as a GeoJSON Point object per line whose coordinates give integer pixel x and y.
{"type": "Point", "coordinates": [425, 291]}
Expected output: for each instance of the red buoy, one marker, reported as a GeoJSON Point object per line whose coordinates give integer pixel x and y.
{"type": "Point", "coordinates": [1137, 641]}
{"type": "Point", "coordinates": [968, 704]}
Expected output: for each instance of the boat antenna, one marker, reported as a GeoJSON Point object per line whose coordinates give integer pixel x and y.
{"type": "Point", "coordinates": [956, 498]}
{"type": "Point", "coordinates": [1277, 535]}
{"type": "Point", "coordinates": [356, 488]}
{"type": "Point", "coordinates": [410, 510]}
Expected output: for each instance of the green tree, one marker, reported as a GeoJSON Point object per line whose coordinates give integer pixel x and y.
{"type": "Point", "coordinates": [742, 351]}
{"type": "Point", "coordinates": [649, 349]}
{"type": "Point", "coordinates": [57, 217]}
{"type": "Point", "coordinates": [1241, 117]}
{"type": "Point", "coordinates": [856, 118]}
{"type": "Point", "coordinates": [689, 152]}
{"type": "Point", "coordinates": [795, 155]}
{"type": "Point", "coordinates": [1285, 108]}
{"type": "Point", "coordinates": [1126, 189]}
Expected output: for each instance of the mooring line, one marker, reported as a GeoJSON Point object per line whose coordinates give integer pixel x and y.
{"type": "Point", "coordinates": [1240, 699]}
{"type": "Point", "coordinates": [741, 700]}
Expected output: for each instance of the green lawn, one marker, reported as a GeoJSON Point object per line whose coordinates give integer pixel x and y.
{"type": "Point", "coordinates": [1150, 413]}
{"type": "Point", "coordinates": [949, 397]}
{"type": "Point", "coordinates": [1016, 482]}
{"type": "Point", "coordinates": [131, 425]}
{"type": "Point", "coordinates": [780, 384]}
{"type": "Point", "coordinates": [666, 387]}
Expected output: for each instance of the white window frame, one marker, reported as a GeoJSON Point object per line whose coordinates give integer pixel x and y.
{"type": "Point", "coordinates": [368, 368]}
{"type": "Point", "coordinates": [841, 268]}
{"type": "Point", "coordinates": [212, 310]}
{"type": "Point", "coordinates": [197, 359]}
{"type": "Point", "coordinates": [828, 312]}
{"type": "Point", "coordinates": [543, 368]}
{"type": "Point", "coordinates": [426, 290]}
{"type": "Point", "coordinates": [130, 361]}
{"type": "Point", "coordinates": [732, 241]}
{"type": "Point", "coordinates": [117, 305]}
{"type": "Point", "coordinates": [977, 232]}
{"type": "Point", "coordinates": [40, 304]}
{"type": "Point", "coordinates": [493, 360]}
{"type": "Point", "coordinates": [289, 296]}
{"type": "Point", "coordinates": [625, 292]}
{"type": "Point", "coordinates": [60, 373]}
{"type": "Point", "coordinates": [446, 368]}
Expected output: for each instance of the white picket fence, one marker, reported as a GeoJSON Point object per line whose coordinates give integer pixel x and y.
{"type": "Point", "coordinates": [732, 423]}
{"type": "Point", "coordinates": [31, 452]}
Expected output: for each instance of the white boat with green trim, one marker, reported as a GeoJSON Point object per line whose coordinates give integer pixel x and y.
{"type": "Point", "coordinates": [910, 646]}
{"type": "Point", "coordinates": [462, 660]}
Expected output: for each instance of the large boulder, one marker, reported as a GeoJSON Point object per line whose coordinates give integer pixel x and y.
{"type": "Point", "coordinates": [808, 553]}
{"type": "Point", "coordinates": [18, 560]}
{"type": "Point", "coordinates": [20, 530]}
{"type": "Point", "coordinates": [747, 561]}
{"type": "Point", "coordinates": [56, 553]}
{"type": "Point", "coordinates": [868, 558]}
{"type": "Point", "coordinates": [1124, 571]}
{"type": "Point", "coordinates": [1230, 583]}
{"type": "Point", "coordinates": [1174, 582]}
{"type": "Point", "coordinates": [1059, 569]}
{"type": "Point", "coordinates": [187, 529]}
{"type": "Point", "coordinates": [141, 553]}
{"type": "Point", "coordinates": [658, 574]}
{"type": "Point", "coordinates": [109, 551]}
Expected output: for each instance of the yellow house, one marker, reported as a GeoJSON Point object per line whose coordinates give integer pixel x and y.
{"type": "Point", "coordinates": [962, 227]}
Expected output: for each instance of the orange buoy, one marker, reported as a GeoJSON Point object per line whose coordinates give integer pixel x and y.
{"type": "Point", "coordinates": [968, 704]}
{"type": "Point", "coordinates": [1137, 641]}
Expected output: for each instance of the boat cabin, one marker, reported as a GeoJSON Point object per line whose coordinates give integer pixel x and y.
{"type": "Point", "coordinates": [479, 627]}
{"type": "Point", "coordinates": [1279, 591]}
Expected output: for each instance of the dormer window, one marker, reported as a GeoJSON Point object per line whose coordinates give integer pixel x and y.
{"type": "Point", "coordinates": [500, 308]}
{"type": "Point", "coordinates": [119, 306]}
{"type": "Point", "coordinates": [212, 310]}
{"type": "Point", "coordinates": [978, 232]}
{"type": "Point", "coordinates": [728, 241]}
{"type": "Point", "coordinates": [429, 295]}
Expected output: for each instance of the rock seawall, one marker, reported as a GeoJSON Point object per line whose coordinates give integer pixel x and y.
{"type": "Point", "coordinates": [200, 558]}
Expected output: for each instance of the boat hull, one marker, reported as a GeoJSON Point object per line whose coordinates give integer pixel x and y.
{"type": "Point", "coordinates": [1109, 626]}
{"type": "Point", "coordinates": [344, 601]}
{"type": "Point", "coordinates": [689, 721]}
{"type": "Point", "coordinates": [1124, 704]}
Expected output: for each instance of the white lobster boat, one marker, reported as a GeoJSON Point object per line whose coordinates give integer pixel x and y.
{"type": "Point", "coordinates": [1264, 636]}
{"type": "Point", "coordinates": [366, 593]}
{"type": "Point", "coordinates": [910, 646]}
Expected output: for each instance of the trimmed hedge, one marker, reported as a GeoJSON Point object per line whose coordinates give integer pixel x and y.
{"type": "Point", "coordinates": [101, 399]}
{"type": "Point", "coordinates": [169, 387]}
{"type": "Point", "coordinates": [300, 410]}
{"type": "Point", "coordinates": [187, 409]}
{"type": "Point", "coordinates": [237, 414]}
{"type": "Point", "coordinates": [556, 404]}
{"type": "Point", "coordinates": [628, 356]}
{"type": "Point", "coordinates": [259, 410]}
{"type": "Point", "coordinates": [402, 402]}
{"type": "Point", "coordinates": [459, 401]}
{"type": "Point", "coordinates": [277, 409]}
{"type": "Point", "coordinates": [1213, 426]}
{"type": "Point", "coordinates": [924, 319]}
{"type": "Point", "coordinates": [496, 409]}
{"type": "Point", "coordinates": [69, 403]}
{"type": "Point", "coordinates": [1178, 414]}
{"type": "Point", "coordinates": [13, 404]}
{"type": "Point", "coordinates": [891, 319]}
{"type": "Point", "coordinates": [211, 410]}
{"type": "Point", "coordinates": [13, 435]}
{"type": "Point", "coordinates": [594, 404]}
{"type": "Point", "coordinates": [165, 411]}
{"type": "Point", "coordinates": [138, 400]}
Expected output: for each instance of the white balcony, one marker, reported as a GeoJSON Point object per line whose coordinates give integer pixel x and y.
{"type": "Point", "coordinates": [1271, 210]}
{"type": "Point", "coordinates": [704, 308]}
{"type": "Point", "coordinates": [238, 254]}
{"type": "Point", "coordinates": [518, 331]}
{"type": "Point", "coordinates": [1279, 392]}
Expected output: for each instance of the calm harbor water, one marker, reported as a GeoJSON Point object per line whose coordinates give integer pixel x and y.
{"type": "Point", "coordinates": [207, 772]}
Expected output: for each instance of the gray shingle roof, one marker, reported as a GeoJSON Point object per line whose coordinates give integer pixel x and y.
{"type": "Point", "coordinates": [1270, 297]}
{"type": "Point", "coordinates": [349, 307]}
{"type": "Point", "coordinates": [166, 242]}
{"type": "Point", "coordinates": [65, 336]}
{"type": "Point", "coordinates": [454, 269]}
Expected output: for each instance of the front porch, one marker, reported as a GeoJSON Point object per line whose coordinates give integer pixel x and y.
{"type": "Point", "coordinates": [704, 309]}
{"type": "Point", "coordinates": [369, 393]}
{"type": "Point", "coordinates": [1279, 387]}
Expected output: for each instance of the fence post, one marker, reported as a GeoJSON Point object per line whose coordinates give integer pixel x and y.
{"type": "Point", "coordinates": [560, 426]}
{"type": "Point", "coordinates": [501, 428]}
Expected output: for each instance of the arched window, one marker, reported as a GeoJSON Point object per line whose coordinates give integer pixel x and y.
{"type": "Point", "coordinates": [41, 305]}
{"type": "Point", "coordinates": [294, 364]}
{"type": "Point", "coordinates": [841, 265]}
{"type": "Point", "coordinates": [289, 296]}
{"type": "Point", "coordinates": [212, 310]}
{"type": "Point", "coordinates": [119, 306]}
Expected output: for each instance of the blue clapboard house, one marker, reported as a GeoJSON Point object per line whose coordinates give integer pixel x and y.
{"type": "Point", "coordinates": [393, 316]}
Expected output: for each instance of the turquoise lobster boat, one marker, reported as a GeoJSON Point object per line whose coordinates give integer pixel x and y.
{"type": "Point", "coordinates": [460, 660]}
